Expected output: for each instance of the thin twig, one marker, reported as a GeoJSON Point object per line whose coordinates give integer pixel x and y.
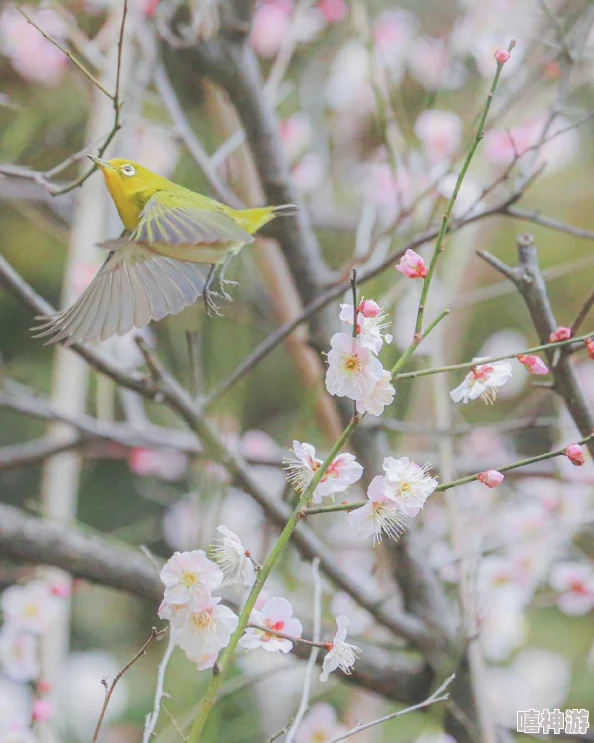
{"type": "Point", "coordinates": [311, 663]}
{"type": "Point", "coordinates": [437, 696]}
{"type": "Point", "coordinates": [110, 689]}
{"type": "Point", "coordinates": [152, 717]}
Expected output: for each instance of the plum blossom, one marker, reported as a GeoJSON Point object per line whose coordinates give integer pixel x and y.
{"type": "Point", "coordinates": [491, 478]}
{"type": "Point", "coordinates": [207, 630]}
{"type": "Point", "coordinates": [270, 27]}
{"type": "Point", "coordinates": [483, 381]}
{"type": "Point", "coordinates": [342, 472]}
{"type": "Point", "coordinates": [412, 265]}
{"type": "Point", "coordinates": [589, 343]}
{"type": "Point", "coordinates": [575, 454]}
{"type": "Point", "coordinates": [561, 334]}
{"type": "Point", "coordinates": [31, 55]}
{"type": "Point", "coordinates": [407, 483]}
{"type": "Point", "coordinates": [276, 615]}
{"type": "Point", "coordinates": [18, 654]}
{"type": "Point", "coordinates": [340, 654]}
{"type": "Point", "coordinates": [166, 464]}
{"type": "Point", "coordinates": [574, 582]}
{"type": "Point", "coordinates": [380, 515]}
{"type": "Point", "coordinates": [233, 558]}
{"type": "Point", "coordinates": [189, 577]}
{"type": "Point", "coordinates": [31, 607]}
{"type": "Point", "coordinates": [353, 371]}
{"type": "Point", "coordinates": [176, 614]}
{"type": "Point", "coordinates": [43, 710]}
{"type": "Point", "coordinates": [381, 396]}
{"type": "Point", "coordinates": [440, 133]}
{"type": "Point", "coordinates": [534, 364]}
{"type": "Point", "coordinates": [319, 725]}
{"type": "Point", "coordinates": [369, 326]}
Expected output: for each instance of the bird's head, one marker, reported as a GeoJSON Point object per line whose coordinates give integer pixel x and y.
{"type": "Point", "coordinates": [127, 180]}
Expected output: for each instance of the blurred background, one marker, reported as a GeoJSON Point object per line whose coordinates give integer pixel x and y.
{"type": "Point", "coordinates": [376, 101]}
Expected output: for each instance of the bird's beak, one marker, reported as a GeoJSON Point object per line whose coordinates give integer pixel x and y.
{"type": "Point", "coordinates": [103, 164]}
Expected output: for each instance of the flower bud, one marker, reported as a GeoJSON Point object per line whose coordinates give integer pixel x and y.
{"type": "Point", "coordinates": [561, 334]}
{"type": "Point", "coordinates": [502, 56]}
{"type": "Point", "coordinates": [412, 265]}
{"type": "Point", "coordinates": [534, 364]}
{"type": "Point", "coordinates": [370, 309]}
{"type": "Point", "coordinates": [575, 454]}
{"type": "Point", "coordinates": [590, 347]}
{"type": "Point", "coordinates": [43, 710]}
{"type": "Point", "coordinates": [491, 478]}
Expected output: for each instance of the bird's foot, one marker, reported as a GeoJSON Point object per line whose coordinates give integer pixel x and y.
{"type": "Point", "coordinates": [224, 293]}
{"type": "Point", "coordinates": [212, 309]}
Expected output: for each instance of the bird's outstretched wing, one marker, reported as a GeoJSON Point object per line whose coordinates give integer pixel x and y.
{"type": "Point", "coordinates": [151, 273]}
{"type": "Point", "coordinates": [133, 287]}
{"type": "Point", "coordinates": [171, 225]}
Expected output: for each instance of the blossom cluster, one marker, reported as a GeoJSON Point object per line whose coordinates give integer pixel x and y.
{"type": "Point", "coordinates": [354, 371]}
{"type": "Point", "coordinates": [28, 610]}
{"type": "Point", "coordinates": [202, 626]}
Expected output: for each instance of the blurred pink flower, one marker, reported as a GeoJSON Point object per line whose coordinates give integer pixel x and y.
{"type": "Point", "coordinates": [166, 464]}
{"type": "Point", "coordinates": [319, 725]}
{"type": "Point", "coordinates": [393, 32]}
{"type": "Point", "coordinates": [333, 11]}
{"type": "Point", "coordinates": [154, 148]}
{"type": "Point", "coordinates": [43, 710]}
{"type": "Point", "coordinates": [295, 132]}
{"type": "Point", "coordinates": [271, 26]}
{"type": "Point", "coordinates": [440, 133]}
{"type": "Point", "coordinates": [589, 343]}
{"type": "Point", "coordinates": [574, 581]}
{"type": "Point", "coordinates": [430, 63]}
{"type": "Point", "coordinates": [309, 173]}
{"type": "Point", "coordinates": [32, 56]}
{"type": "Point", "coordinates": [181, 524]}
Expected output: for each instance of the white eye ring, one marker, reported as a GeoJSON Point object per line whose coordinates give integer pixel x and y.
{"type": "Point", "coordinates": [128, 170]}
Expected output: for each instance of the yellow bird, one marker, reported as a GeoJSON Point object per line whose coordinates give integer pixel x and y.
{"type": "Point", "coordinates": [154, 271]}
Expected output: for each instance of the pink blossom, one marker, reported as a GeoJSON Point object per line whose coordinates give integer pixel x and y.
{"type": "Point", "coordinates": [483, 381]}
{"type": "Point", "coordinates": [575, 454]}
{"type": "Point", "coordinates": [276, 615]}
{"type": "Point", "coordinates": [189, 577]}
{"type": "Point", "coordinates": [309, 172]}
{"type": "Point", "coordinates": [491, 478]}
{"type": "Point", "coordinates": [319, 725]}
{"type": "Point", "coordinates": [270, 27]}
{"type": "Point", "coordinates": [166, 464]}
{"type": "Point", "coordinates": [440, 133]}
{"type": "Point", "coordinates": [353, 371]}
{"type": "Point", "coordinates": [340, 654]}
{"type": "Point", "coordinates": [561, 334]}
{"type": "Point", "coordinates": [502, 56]}
{"type": "Point", "coordinates": [333, 11]}
{"type": "Point", "coordinates": [589, 342]}
{"type": "Point", "coordinates": [369, 309]}
{"type": "Point", "coordinates": [381, 396]}
{"type": "Point", "coordinates": [43, 710]}
{"type": "Point", "coordinates": [574, 581]}
{"type": "Point", "coordinates": [61, 589]}
{"type": "Point", "coordinates": [35, 58]}
{"type": "Point", "coordinates": [343, 471]}
{"type": "Point", "coordinates": [412, 265]}
{"type": "Point", "coordinates": [534, 364]}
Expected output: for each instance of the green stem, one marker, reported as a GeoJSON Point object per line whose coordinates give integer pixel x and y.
{"type": "Point", "coordinates": [413, 346]}
{"type": "Point", "coordinates": [449, 485]}
{"type": "Point", "coordinates": [226, 656]}
{"type": "Point", "coordinates": [493, 359]}
{"type": "Point", "coordinates": [445, 222]}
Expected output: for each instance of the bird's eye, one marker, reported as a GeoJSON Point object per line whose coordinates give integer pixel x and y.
{"type": "Point", "coordinates": [128, 170]}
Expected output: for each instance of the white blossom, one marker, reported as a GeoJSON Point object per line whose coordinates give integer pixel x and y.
{"type": "Point", "coordinates": [207, 630]}
{"type": "Point", "coordinates": [232, 557]}
{"type": "Point", "coordinates": [343, 471]}
{"type": "Point", "coordinates": [189, 577]}
{"type": "Point", "coordinates": [483, 381]}
{"type": "Point", "coordinates": [353, 370]}
{"type": "Point", "coordinates": [408, 484]}
{"type": "Point", "coordinates": [276, 615]}
{"type": "Point", "coordinates": [341, 654]}
{"type": "Point", "coordinates": [381, 396]}
{"type": "Point", "coordinates": [380, 515]}
{"type": "Point", "coordinates": [31, 607]}
{"type": "Point", "coordinates": [369, 329]}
